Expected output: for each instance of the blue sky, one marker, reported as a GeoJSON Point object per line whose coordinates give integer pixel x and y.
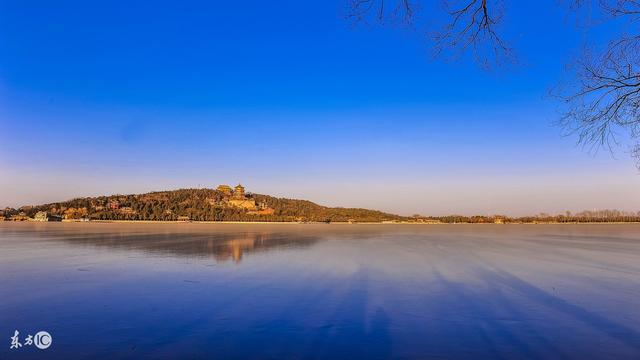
{"type": "Point", "coordinates": [292, 100]}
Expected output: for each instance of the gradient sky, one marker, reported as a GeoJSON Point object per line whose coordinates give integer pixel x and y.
{"type": "Point", "coordinates": [291, 100]}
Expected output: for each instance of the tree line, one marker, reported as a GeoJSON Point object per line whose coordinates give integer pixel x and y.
{"type": "Point", "coordinates": [210, 205]}
{"type": "Point", "coordinates": [587, 216]}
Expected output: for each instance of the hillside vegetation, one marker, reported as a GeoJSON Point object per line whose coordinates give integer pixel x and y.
{"type": "Point", "coordinates": [201, 205]}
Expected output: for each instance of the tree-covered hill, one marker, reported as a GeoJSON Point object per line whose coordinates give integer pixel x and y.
{"type": "Point", "coordinates": [201, 205]}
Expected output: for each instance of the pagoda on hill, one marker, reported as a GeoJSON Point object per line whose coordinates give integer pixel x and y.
{"type": "Point", "coordinates": [237, 197]}
{"type": "Point", "coordinates": [238, 192]}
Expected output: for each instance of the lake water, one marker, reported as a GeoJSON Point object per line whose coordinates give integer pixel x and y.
{"type": "Point", "coordinates": [110, 291]}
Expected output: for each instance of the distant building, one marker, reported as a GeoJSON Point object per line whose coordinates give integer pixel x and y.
{"type": "Point", "coordinates": [45, 216]}
{"type": "Point", "coordinates": [19, 217]}
{"type": "Point", "coordinates": [238, 192]}
{"type": "Point", "coordinates": [126, 210]}
{"type": "Point", "coordinates": [184, 219]}
{"type": "Point", "coordinates": [225, 190]}
{"type": "Point", "coordinates": [41, 216]}
{"type": "Point", "coordinates": [248, 204]}
{"type": "Point", "coordinates": [114, 205]}
{"type": "Point", "coordinates": [237, 197]}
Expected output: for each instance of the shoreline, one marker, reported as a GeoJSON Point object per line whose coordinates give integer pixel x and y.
{"type": "Point", "coordinates": [159, 222]}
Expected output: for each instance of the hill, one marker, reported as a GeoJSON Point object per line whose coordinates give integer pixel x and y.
{"type": "Point", "coordinates": [222, 204]}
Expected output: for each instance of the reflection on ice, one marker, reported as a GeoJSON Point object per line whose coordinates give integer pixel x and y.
{"type": "Point", "coordinates": [324, 291]}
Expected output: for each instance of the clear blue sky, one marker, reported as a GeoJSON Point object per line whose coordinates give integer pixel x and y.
{"type": "Point", "coordinates": [292, 100]}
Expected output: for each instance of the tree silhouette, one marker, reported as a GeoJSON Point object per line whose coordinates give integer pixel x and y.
{"type": "Point", "coordinates": [602, 101]}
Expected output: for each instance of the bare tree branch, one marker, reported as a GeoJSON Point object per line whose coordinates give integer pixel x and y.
{"type": "Point", "coordinates": [605, 97]}
{"type": "Point", "coordinates": [473, 26]}
{"type": "Point", "coordinates": [619, 8]}
{"type": "Point", "coordinates": [395, 10]}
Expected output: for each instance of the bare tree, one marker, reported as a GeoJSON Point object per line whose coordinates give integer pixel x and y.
{"type": "Point", "coordinates": [473, 26]}
{"type": "Point", "coordinates": [603, 99]}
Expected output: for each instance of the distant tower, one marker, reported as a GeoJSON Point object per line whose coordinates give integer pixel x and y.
{"type": "Point", "coordinates": [239, 192]}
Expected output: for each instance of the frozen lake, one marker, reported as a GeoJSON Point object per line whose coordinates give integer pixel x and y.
{"type": "Point", "coordinates": [107, 291]}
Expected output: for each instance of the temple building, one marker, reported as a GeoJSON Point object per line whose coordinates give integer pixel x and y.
{"type": "Point", "coordinates": [45, 216]}
{"type": "Point", "coordinates": [238, 192]}
{"type": "Point", "coordinates": [238, 197]}
{"type": "Point", "coordinates": [225, 190]}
